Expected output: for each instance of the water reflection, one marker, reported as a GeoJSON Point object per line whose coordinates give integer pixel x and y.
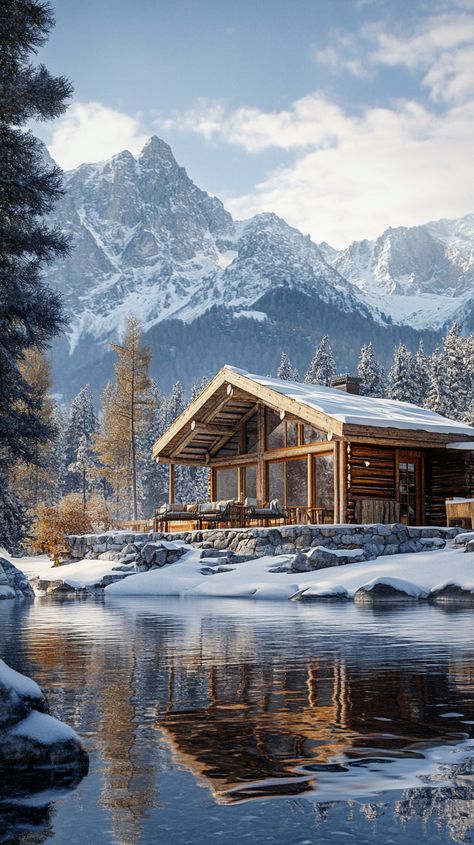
{"type": "Point", "coordinates": [325, 705]}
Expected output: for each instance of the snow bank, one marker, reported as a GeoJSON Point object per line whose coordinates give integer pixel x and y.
{"type": "Point", "coordinates": [416, 574]}
{"type": "Point", "coordinates": [79, 573]}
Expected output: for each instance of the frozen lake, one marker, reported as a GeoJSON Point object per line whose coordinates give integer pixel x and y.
{"type": "Point", "coordinates": [269, 722]}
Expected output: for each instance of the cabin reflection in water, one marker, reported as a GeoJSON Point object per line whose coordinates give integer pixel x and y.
{"type": "Point", "coordinates": [243, 730]}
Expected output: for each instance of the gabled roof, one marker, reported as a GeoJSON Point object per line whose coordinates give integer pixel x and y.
{"type": "Point", "coordinates": [361, 410]}
{"type": "Point", "coordinates": [232, 396]}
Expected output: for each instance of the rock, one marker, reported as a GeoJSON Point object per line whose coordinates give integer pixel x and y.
{"type": "Point", "coordinates": [13, 583]}
{"type": "Point", "coordinates": [381, 593]}
{"type": "Point", "coordinates": [300, 563]}
{"type": "Point", "coordinates": [452, 594]}
{"type": "Point", "coordinates": [31, 739]}
{"type": "Point", "coordinates": [321, 558]}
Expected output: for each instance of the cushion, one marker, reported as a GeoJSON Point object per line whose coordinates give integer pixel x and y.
{"type": "Point", "coordinates": [274, 505]}
{"type": "Point", "coordinates": [250, 503]}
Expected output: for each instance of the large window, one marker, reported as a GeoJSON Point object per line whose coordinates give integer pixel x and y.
{"type": "Point", "coordinates": [275, 431]}
{"type": "Point", "coordinates": [250, 482]}
{"type": "Point", "coordinates": [324, 481]}
{"type": "Point", "coordinates": [227, 483]}
{"type": "Point", "coordinates": [313, 435]}
{"type": "Point", "coordinates": [251, 434]}
{"type": "Point", "coordinates": [297, 482]}
{"type": "Point", "coordinates": [288, 482]}
{"type": "Point", "coordinates": [287, 433]}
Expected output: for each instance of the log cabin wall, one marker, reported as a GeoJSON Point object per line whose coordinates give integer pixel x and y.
{"type": "Point", "coordinates": [370, 475]}
{"type": "Point", "coordinates": [448, 474]}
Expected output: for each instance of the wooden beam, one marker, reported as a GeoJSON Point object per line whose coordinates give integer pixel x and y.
{"type": "Point", "coordinates": [228, 435]}
{"type": "Point", "coordinates": [171, 484]}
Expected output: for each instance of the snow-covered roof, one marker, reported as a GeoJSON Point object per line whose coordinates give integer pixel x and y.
{"type": "Point", "coordinates": [361, 410]}
{"type": "Point", "coordinates": [465, 445]}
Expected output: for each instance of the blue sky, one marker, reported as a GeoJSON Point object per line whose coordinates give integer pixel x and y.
{"type": "Point", "coordinates": [343, 116]}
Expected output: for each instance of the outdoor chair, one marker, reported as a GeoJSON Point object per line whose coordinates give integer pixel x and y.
{"type": "Point", "coordinates": [269, 513]}
{"type": "Point", "coordinates": [175, 512]}
{"type": "Point", "coordinates": [225, 512]}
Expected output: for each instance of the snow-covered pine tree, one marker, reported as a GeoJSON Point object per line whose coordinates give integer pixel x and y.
{"type": "Point", "coordinates": [286, 371]}
{"type": "Point", "coordinates": [198, 387]}
{"type": "Point", "coordinates": [457, 374]}
{"type": "Point", "coordinates": [437, 398]}
{"type": "Point", "coordinates": [322, 367]}
{"type": "Point", "coordinates": [421, 375]}
{"type": "Point", "coordinates": [371, 372]}
{"type": "Point", "coordinates": [84, 466]}
{"type": "Point", "coordinates": [30, 312]}
{"type": "Point", "coordinates": [400, 381]}
{"type": "Point", "coordinates": [190, 483]}
{"type": "Point", "coordinates": [82, 423]}
{"type": "Point", "coordinates": [153, 476]}
{"type": "Point", "coordinates": [58, 470]}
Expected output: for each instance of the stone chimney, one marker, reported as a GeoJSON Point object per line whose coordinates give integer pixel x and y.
{"type": "Point", "coordinates": [347, 383]}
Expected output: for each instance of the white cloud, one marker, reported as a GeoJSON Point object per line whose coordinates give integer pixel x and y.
{"type": "Point", "coordinates": [442, 47]}
{"type": "Point", "coordinates": [352, 175]}
{"type": "Point", "coordinates": [91, 132]}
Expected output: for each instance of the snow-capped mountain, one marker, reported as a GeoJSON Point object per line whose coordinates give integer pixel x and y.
{"type": "Point", "coordinates": [209, 290]}
{"type": "Point", "coordinates": [147, 240]}
{"type": "Point", "coordinates": [421, 276]}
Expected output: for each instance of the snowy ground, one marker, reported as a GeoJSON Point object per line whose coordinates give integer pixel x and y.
{"type": "Point", "coordinates": [417, 574]}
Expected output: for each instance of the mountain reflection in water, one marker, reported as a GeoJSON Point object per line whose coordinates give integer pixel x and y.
{"type": "Point", "coordinates": [362, 718]}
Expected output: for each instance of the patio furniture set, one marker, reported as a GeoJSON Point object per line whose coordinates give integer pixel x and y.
{"type": "Point", "coordinates": [233, 514]}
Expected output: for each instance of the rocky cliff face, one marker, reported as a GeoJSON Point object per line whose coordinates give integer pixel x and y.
{"type": "Point", "coordinates": [146, 240]}
{"type": "Point", "coordinates": [421, 276]}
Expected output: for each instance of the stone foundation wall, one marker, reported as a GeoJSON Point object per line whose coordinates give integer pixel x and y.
{"type": "Point", "coordinates": [372, 540]}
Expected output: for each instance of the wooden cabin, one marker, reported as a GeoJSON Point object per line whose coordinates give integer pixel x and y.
{"type": "Point", "coordinates": [326, 454]}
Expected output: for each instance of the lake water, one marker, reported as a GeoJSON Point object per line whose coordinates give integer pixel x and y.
{"type": "Point", "coordinates": [239, 721]}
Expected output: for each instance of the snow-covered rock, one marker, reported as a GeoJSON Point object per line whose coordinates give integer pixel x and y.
{"type": "Point", "coordinates": [13, 584]}
{"type": "Point", "coordinates": [29, 737]}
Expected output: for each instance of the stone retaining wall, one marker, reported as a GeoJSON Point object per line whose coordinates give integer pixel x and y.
{"type": "Point", "coordinates": [373, 540]}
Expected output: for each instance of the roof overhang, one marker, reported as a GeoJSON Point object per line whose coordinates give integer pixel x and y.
{"type": "Point", "coordinates": [216, 415]}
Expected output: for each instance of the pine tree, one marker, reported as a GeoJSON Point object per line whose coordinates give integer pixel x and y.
{"type": "Point", "coordinates": [132, 400]}
{"type": "Point", "coordinates": [371, 372]}
{"type": "Point", "coordinates": [322, 367]}
{"type": "Point", "coordinates": [438, 399]}
{"type": "Point", "coordinates": [154, 477]}
{"type": "Point", "coordinates": [421, 375]}
{"type": "Point", "coordinates": [84, 466]}
{"type": "Point", "coordinates": [198, 387]}
{"type": "Point", "coordinates": [30, 312]}
{"type": "Point", "coordinates": [82, 423]}
{"type": "Point", "coordinates": [32, 480]}
{"type": "Point", "coordinates": [457, 374]}
{"type": "Point", "coordinates": [285, 370]}
{"type": "Point", "coordinates": [400, 381]}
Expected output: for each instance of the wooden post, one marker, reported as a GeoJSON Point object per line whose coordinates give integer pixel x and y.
{"type": "Point", "coordinates": [337, 491]}
{"type": "Point", "coordinates": [343, 482]}
{"type": "Point", "coordinates": [311, 503]}
{"type": "Point", "coordinates": [261, 480]}
{"type": "Point", "coordinates": [171, 484]}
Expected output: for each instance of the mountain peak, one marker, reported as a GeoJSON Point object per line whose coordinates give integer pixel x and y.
{"type": "Point", "coordinates": [157, 149]}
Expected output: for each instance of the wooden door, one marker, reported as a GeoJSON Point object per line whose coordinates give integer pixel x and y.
{"type": "Point", "coordinates": [409, 484]}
